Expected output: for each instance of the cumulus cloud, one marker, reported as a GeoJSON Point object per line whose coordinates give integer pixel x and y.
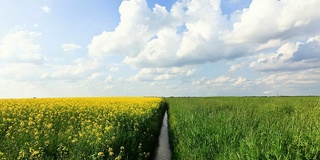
{"type": "Point", "coordinates": [273, 83]}
{"type": "Point", "coordinates": [195, 31]}
{"type": "Point", "coordinates": [218, 81]}
{"type": "Point", "coordinates": [108, 87]}
{"type": "Point", "coordinates": [273, 43]}
{"type": "Point", "coordinates": [20, 52]}
{"type": "Point", "coordinates": [114, 69]}
{"type": "Point", "coordinates": [18, 42]}
{"type": "Point", "coordinates": [240, 81]}
{"type": "Point", "coordinates": [95, 76]}
{"type": "Point", "coordinates": [308, 51]}
{"type": "Point", "coordinates": [300, 79]}
{"type": "Point", "coordinates": [21, 64]}
{"type": "Point", "coordinates": [221, 80]}
{"type": "Point", "coordinates": [80, 68]}
{"type": "Point", "coordinates": [70, 47]}
{"type": "Point", "coordinates": [234, 68]}
{"type": "Point", "coordinates": [151, 37]}
{"type": "Point", "coordinates": [20, 72]}
{"type": "Point", "coordinates": [109, 78]}
{"type": "Point", "coordinates": [266, 20]}
{"type": "Point", "coordinates": [159, 74]}
{"type": "Point", "coordinates": [191, 72]}
{"type": "Point", "coordinates": [46, 9]}
{"type": "Point", "coordinates": [291, 56]}
{"type": "Point", "coordinates": [224, 82]}
{"type": "Point", "coordinates": [137, 26]}
{"type": "Point", "coordinates": [267, 92]}
{"type": "Point", "coordinates": [161, 45]}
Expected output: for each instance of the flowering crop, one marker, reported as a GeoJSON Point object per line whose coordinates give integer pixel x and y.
{"type": "Point", "coordinates": [79, 128]}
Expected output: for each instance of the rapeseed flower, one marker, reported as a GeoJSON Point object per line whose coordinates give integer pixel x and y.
{"type": "Point", "coordinates": [73, 123]}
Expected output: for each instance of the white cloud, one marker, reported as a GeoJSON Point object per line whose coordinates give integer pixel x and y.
{"type": "Point", "coordinates": [267, 92]}
{"type": "Point", "coordinates": [291, 56]}
{"type": "Point", "coordinates": [266, 20]}
{"type": "Point", "coordinates": [95, 76]}
{"type": "Point", "coordinates": [20, 46]}
{"type": "Point", "coordinates": [240, 81]}
{"type": "Point", "coordinates": [308, 51]}
{"type": "Point", "coordinates": [195, 31]}
{"type": "Point", "coordinates": [198, 82]}
{"type": "Point", "coordinates": [159, 74]}
{"type": "Point", "coordinates": [70, 47]}
{"type": "Point", "coordinates": [109, 78]}
{"type": "Point", "coordinates": [36, 25]}
{"type": "Point", "coordinates": [20, 72]}
{"type": "Point", "coordinates": [219, 81]}
{"type": "Point", "coordinates": [164, 76]}
{"type": "Point", "coordinates": [46, 9]}
{"type": "Point", "coordinates": [80, 68]}
{"type": "Point", "coordinates": [114, 69]}
{"type": "Point", "coordinates": [270, 44]}
{"type": "Point", "coordinates": [137, 26]}
{"type": "Point", "coordinates": [108, 87]}
{"type": "Point", "coordinates": [291, 82]}
{"type": "Point", "coordinates": [158, 51]}
{"type": "Point", "coordinates": [234, 68]}
{"type": "Point", "coordinates": [278, 42]}
{"type": "Point", "coordinates": [191, 72]}
{"type": "Point", "coordinates": [22, 63]}
{"type": "Point", "coordinates": [225, 85]}
{"type": "Point", "coordinates": [19, 42]}
{"type": "Point", "coordinates": [149, 37]}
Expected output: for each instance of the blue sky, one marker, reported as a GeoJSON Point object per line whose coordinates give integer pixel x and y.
{"type": "Point", "coordinates": [56, 48]}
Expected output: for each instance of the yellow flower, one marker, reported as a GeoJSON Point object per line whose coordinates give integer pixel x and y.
{"type": "Point", "coordinates": [36, 152]}
{"type": "Point", "coordinates": [74, 140]}
{"type": "Point", "coordinates": [75, 119]}
{"type": "Point", "coordinates": [100, 154]}
{"type": "Point", "coordinates": [49, 126]}
{"type": "Point", "coordinates": [118, 158]}
{"type": "Point", "coordinates": [110, 150]}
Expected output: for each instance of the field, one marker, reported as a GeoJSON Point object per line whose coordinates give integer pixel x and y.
{"type": "Point", "coordinates": [79, 128]}
{"type": "Point", "coordinates": [128, 128]}
{"type": "Point", "coordinates": [245, 128]}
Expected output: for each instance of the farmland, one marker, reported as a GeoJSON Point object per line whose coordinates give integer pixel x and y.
{"type": "Point", "coordinates": [128, 127]}
{"type": "Point", "coordinates": [245, 127]}
{"type": "Point", "coordinates": [79, 128]}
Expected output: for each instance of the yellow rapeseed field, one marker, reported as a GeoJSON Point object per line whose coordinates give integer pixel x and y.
{"type": "Point", "coordinates": [79, 128]}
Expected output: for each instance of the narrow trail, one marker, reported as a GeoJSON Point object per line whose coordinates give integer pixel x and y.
{"type": "Point", "coordinates": [163, 151]}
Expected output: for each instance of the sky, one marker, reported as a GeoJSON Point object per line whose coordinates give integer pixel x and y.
{"type": "Point", "coordinates": [80, 48]}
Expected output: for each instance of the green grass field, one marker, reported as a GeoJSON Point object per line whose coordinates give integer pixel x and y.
{"type": "Point", "coordinates": [245, 128]}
